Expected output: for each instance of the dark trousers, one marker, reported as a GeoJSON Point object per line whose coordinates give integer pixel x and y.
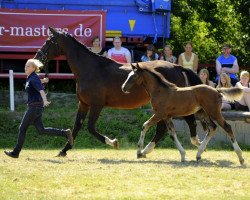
{"type": "Point", "coordinates": [33, 115]}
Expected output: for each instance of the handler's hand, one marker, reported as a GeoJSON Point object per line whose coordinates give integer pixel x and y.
{"type": "Point", "coordinates": [45, 80]}
{"type": "Point", "coordinates": [46, 103]}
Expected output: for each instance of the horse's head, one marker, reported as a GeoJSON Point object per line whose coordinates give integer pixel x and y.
{"type": "Point", "coordinates": [134, 77]}
{"type": "Point", "coordinates": [50, 49]}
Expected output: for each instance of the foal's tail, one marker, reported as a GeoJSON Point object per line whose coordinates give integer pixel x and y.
{"type": "Point", "coordinates": [231, 94]}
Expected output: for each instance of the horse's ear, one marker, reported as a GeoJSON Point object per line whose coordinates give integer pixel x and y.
{"type": "Point", "coordinates": [53, 31]}
{"type": "Point", "coordinates": [138, 66]}
{"type": "Point", "coordinates": [133, 67]}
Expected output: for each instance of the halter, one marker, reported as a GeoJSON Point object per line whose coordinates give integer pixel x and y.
{"type": "Point", "coordinates": [42, 55]}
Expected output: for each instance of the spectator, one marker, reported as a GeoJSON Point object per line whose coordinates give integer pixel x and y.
{"type": "Point", "coordinates": [188, 59]}
{"type": "Point", "coordinates": [167, 54]}
{"type": "Point", "coordinates": [96, 47]}
{"type": "Point", "coordinates": [225, 82]}
{"type": "Point", "coordinates": [119, 53]}
{"type": "Point", "coordinates": [37, 100]}
{"type": "Point", "coordinates": [150, 54]}
{"type": "Point", "coordinates": [244, 103]}
{"type": "Point", "coordinates": [227, 63]}
{"type": "Point", "coordinates": [204, 76]}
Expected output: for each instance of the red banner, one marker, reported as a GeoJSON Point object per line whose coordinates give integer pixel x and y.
{"type": "Point", "coordinates": [27, 30]}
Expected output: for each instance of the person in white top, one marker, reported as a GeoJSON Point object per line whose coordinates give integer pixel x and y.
{"type": "Point", "coordinates": [119, 53]}
{"type": "Point", "coordinates": [188, 59]}
{"type": "Point", "coordinates": [244, 103]}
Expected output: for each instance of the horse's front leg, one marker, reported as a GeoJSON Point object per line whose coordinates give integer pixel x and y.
{"type": "Point", "coordinates": [153, 120]}
{"type": "Point", "coordinates": [81, 115]}
{"type": "Point", "coordinates": [159, 133]}
{"type": "Point", "coordinates": [171, 128]}
{"type": "Point", "coordinates": [94, 114]}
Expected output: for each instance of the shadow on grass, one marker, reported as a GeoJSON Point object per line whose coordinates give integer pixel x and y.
{"type": "Point", "coordinates": [177, 164]}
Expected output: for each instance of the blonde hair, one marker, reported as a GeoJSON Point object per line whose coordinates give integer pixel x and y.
{"type": "Point", "coordinates": [244, 73]}
{"type": "Point", "coordinates": [228, 81]}
{"type": "Point", "coordinates": [205, 71]}
{"type": "Point", "coordinates": [36, 63]}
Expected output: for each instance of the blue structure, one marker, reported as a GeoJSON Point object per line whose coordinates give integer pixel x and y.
{"type": "Point", "coordinates": [129, 18]}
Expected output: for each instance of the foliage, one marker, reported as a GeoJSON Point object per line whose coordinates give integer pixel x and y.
{"type": "Point", "coordinates": [209, 24]}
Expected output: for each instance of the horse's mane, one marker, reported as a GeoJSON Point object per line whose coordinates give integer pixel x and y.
{"type": "Point", "coordinates": [152, 69]}
{"type": "Point", "coordinates": [81, 45]}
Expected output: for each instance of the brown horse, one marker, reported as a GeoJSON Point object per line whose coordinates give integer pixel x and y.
{"type": "Point", "coordinates": [169, 101]}
{"type": "Point", "coordinates": [99, 80]}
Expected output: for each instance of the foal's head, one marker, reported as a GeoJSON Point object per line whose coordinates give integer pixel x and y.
{"type": "Point", "coordinates": [134, 77]}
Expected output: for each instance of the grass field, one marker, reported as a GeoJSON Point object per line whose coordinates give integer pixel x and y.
{"type": "Point", "coordinates": [112, 174]}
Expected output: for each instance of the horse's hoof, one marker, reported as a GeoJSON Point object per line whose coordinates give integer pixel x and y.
{"type": "Point", "coordinates": [195, 141]}
{"type": "Point", "coordinates": [62, 154]}
{"type": "Point", "coordinates": [140, 155]}
{"type": "Point", "coordinates": [242, 162]}
{"type": "Point", "coordinates": [198, 158]}
{"type": "Point", "coordinates": [116, 144]}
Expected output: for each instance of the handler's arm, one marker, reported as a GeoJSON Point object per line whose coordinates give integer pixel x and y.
{"type": "Point", "coordinates": [43, 95]}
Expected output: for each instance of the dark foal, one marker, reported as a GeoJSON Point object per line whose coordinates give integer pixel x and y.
{"type": "Point", "coordinates": [99, 80]}
{"type": "Point", "coordinates": [169, 101]}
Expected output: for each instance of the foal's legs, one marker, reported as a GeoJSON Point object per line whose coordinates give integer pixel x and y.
{"type": "Point", "coordinates": [209, 135]}
{"type": "Point", "coordinates": [221, 121]}
{"type": "Point", "coordinates": [153, 120]}
{"type": "Point", "coordinates": [170, 126]}
{"type": "Point", "coordinates": [94, 114]}
{"type": "Point", "coordinates": [192, 128]}
{"type": "Point", "coordinates": [217, 116]}
{"type": "Point", "coordinates": [81, 115]}
{"type": "Point", "coordinates": [159, 133]}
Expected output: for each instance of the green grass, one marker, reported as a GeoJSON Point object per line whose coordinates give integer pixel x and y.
{"type": "Point", "coordinates": [111, 174]}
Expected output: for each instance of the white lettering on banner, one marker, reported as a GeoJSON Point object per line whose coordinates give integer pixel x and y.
{"type": "Point", "coordinates": [18, 31]}
{"type": "Point", "coordinates": [1, 28]}
{"type": "Point", "coordinates": [82, 32]}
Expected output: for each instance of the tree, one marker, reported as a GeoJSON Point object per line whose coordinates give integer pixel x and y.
{"type": "Point", "coordinates": [209, 24]}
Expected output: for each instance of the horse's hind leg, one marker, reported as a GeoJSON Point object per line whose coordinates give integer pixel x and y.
{"type": "Point", "coordinates": [211, 131]}
{"type": "Point", "coordinates": [153, 120]}
{"type": "Point", "coordinates": [94, 114]}
{"type": "Point", "coordinates": [81, 115]}
{"type": "Point", "coordinates": [222, 122]}
{"type": "Point", "coordinates": [192, 128]}
{"type": "Point", "coordinates": [171, 128]}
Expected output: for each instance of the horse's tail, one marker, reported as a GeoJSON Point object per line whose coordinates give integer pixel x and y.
{"type": "Point", "coordinates": [193, 78]}
{"type": "Point", "coordinates": [231, 94]}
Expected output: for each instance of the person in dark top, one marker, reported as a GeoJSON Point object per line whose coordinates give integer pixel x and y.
{"type": "Point", "coordinates": [37, 100]}
{"type": "Point", "coordinates": [96, 47]}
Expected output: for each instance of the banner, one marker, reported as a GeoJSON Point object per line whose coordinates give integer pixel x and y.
{"type": "Point", "coordinates": [27, 30]}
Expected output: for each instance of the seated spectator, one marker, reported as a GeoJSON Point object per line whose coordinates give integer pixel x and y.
{"type": "Point", "coordinates": [119, 53]}
{"type": "Point", "coordinates": [188, 59]}
{"type": "Point", "coordinates": [244, 103]}
{"type": "Point", "coordinates": [227, 63]}
{"type": "Point", "coordinates": [204, 76]}
{"type": "Point", "coordinates": [150, 54]}
{"type": "Point", "coordinates": [167, 55]}
{"type": "Point", "coordinates": [96, 47]}
{"type": "Point", "coordinates": [225, 82]}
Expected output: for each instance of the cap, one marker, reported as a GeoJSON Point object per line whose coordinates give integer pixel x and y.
{"type": "Point", "coordinates": [226, 46]}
